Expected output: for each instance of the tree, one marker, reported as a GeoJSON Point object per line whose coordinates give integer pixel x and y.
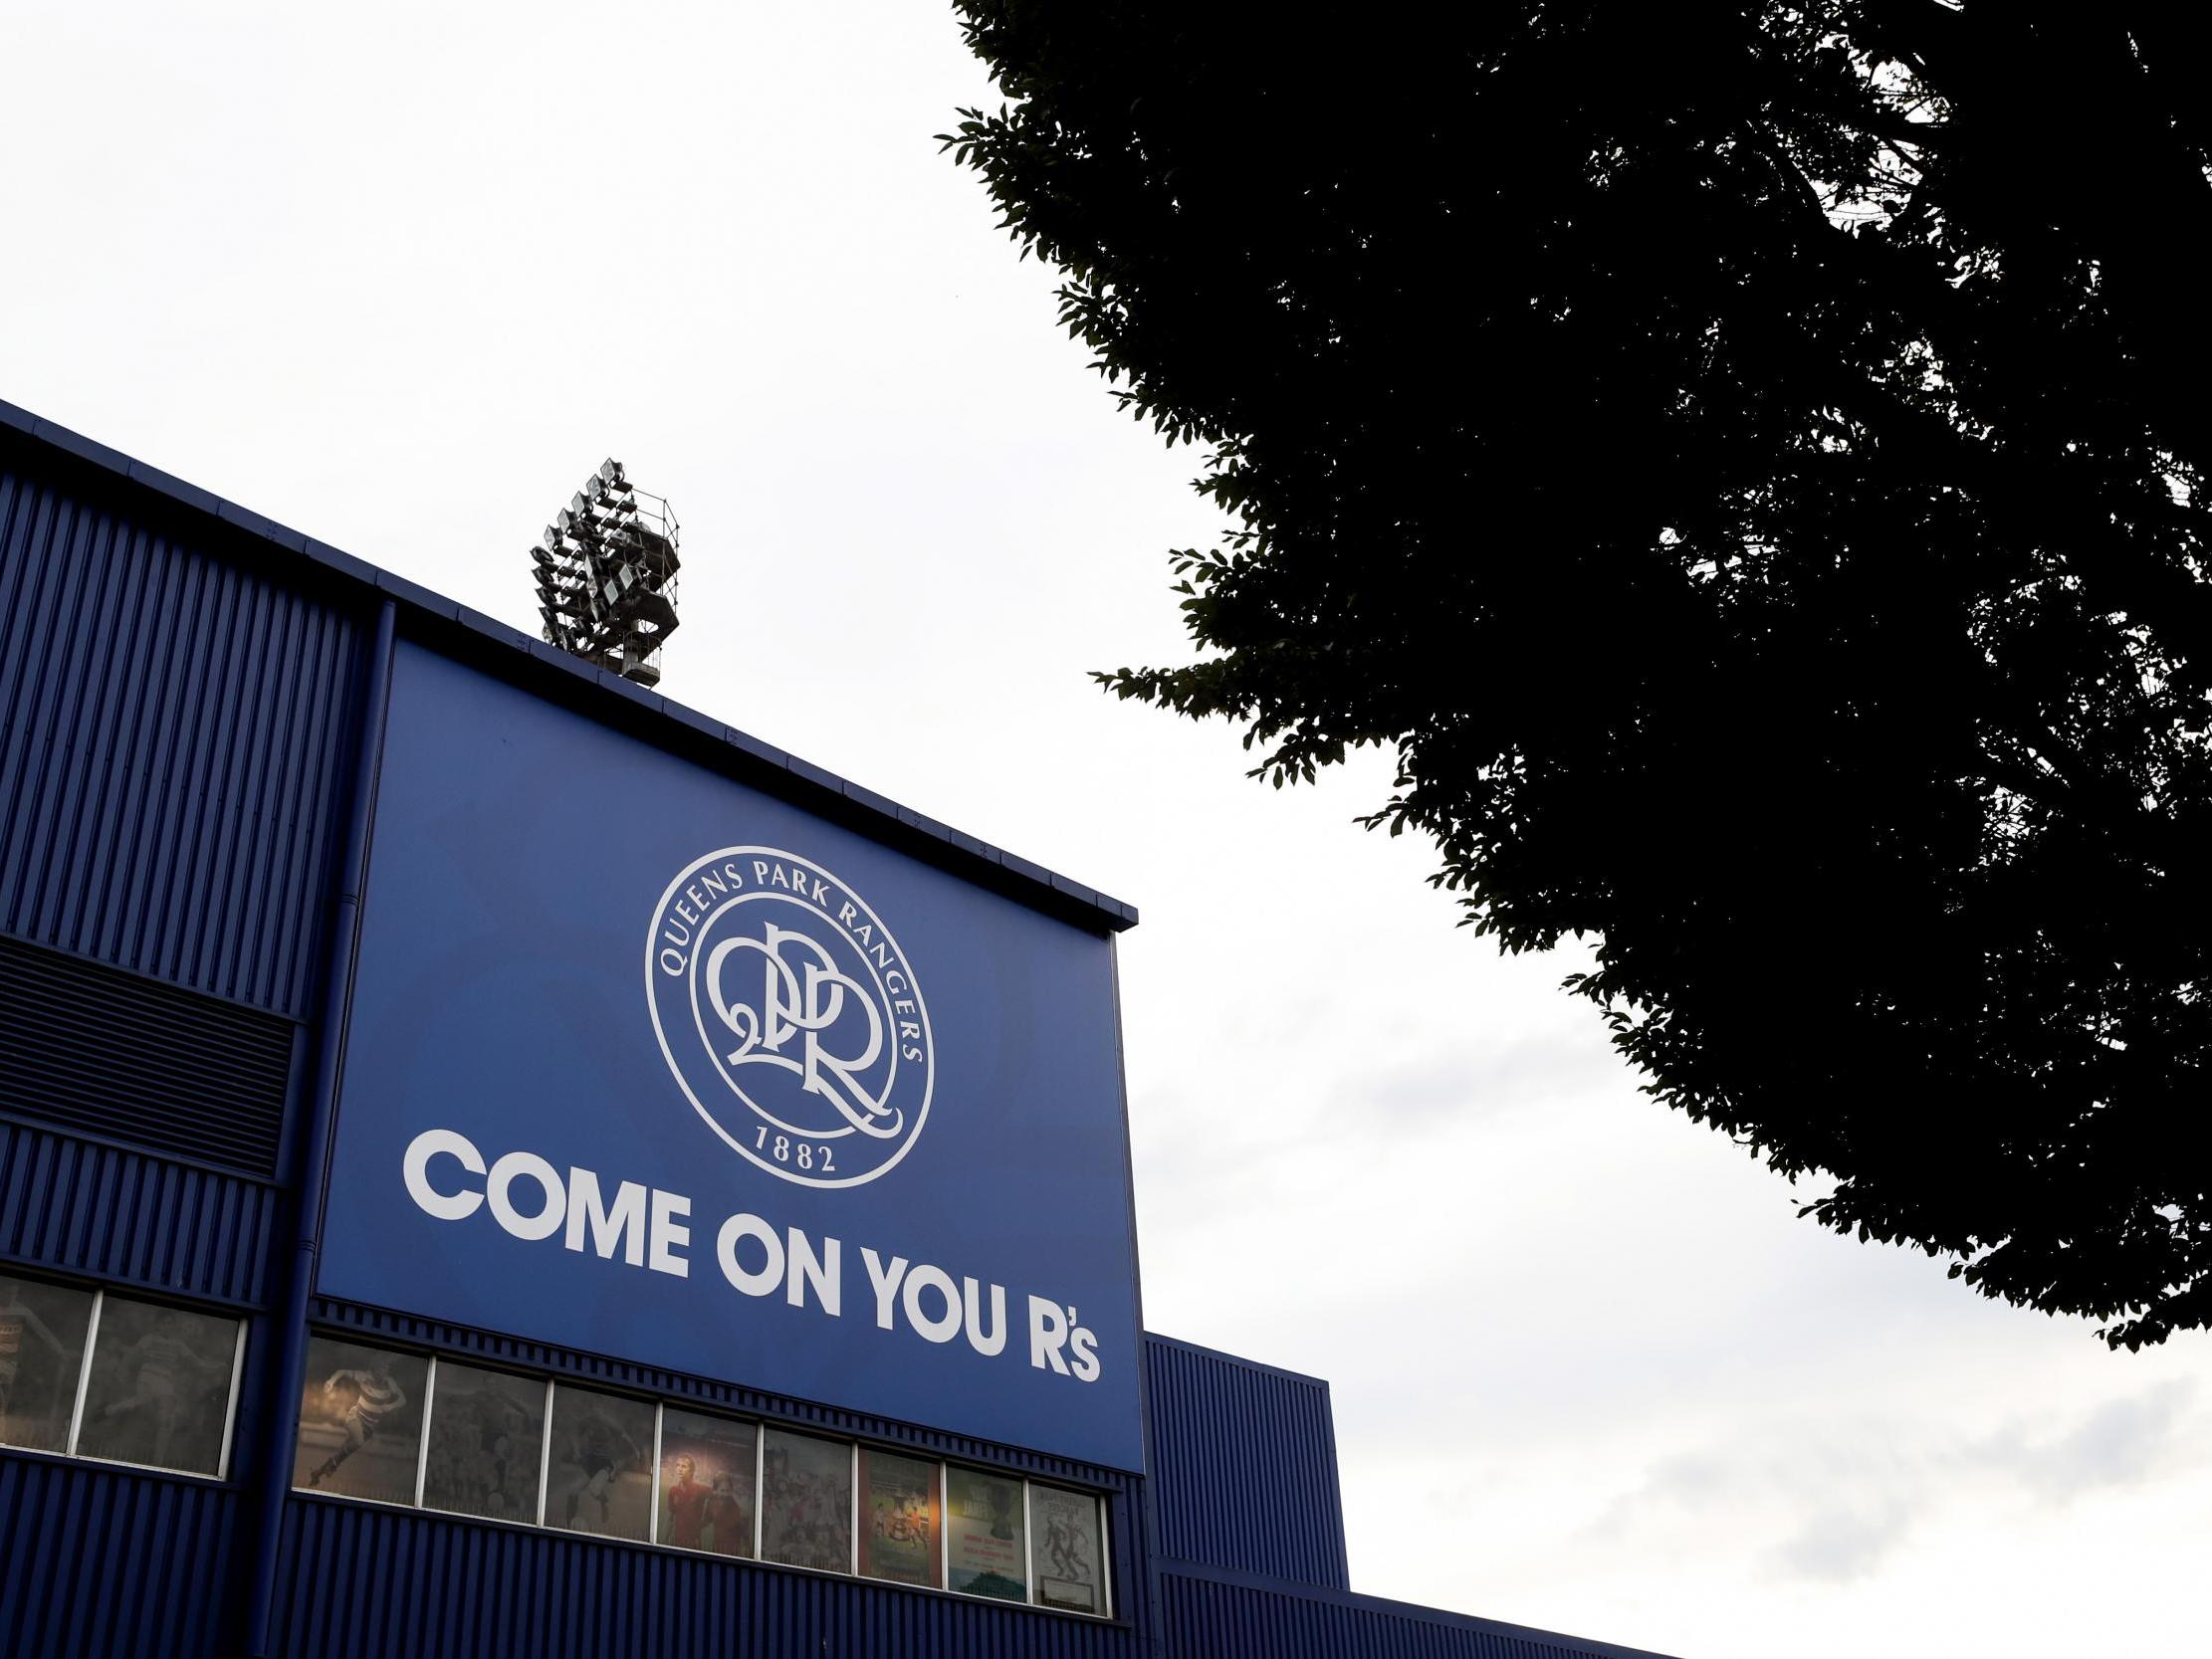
{"type": "Point", "coordinates": [1748, 462]}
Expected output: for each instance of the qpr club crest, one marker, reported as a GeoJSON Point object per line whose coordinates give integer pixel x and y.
{"type": "Point", "coordinates": [790, 1016]}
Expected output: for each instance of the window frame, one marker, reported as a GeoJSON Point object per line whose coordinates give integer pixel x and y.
{"type": "Point", "coordinates": [221, 1472]}
{"type": "Point", "coordinates": [422, 1465]}
{"type": "Point", "coordinates": [761, 1426]}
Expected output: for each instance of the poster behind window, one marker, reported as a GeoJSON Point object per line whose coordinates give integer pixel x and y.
{"type": "Point", "coordinates": [42, 1349]}
{"type": "Point", "coordinates": [706, 1482]}
{"type": "Point", "coordinates": [484, 1441]}
{"type": "Point", "coordinates": [983, 1535]}
{"type": "Point", "coordinates": [361, 1422]}
{"type": "Point", "coordinates": [898, 1518]}
{"type": "Point", "coordinates": [599, 1478]}
{"type": "Point", "coordinates": [1066, 1550]}
{"type": "Point", "coordinates": [806, 1502]}
{"type": "Point", "coordinates": [159, 1391]}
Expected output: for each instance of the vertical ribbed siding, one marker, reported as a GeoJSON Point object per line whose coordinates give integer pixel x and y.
{"type": "Point", "coordinates": [107, 1561]}
{"type": "Point", "coordinates": [96, 1051]}
{"type": "Point", "coordinates": [169, 736]}
{"type": "Point", "coordinates": [1223, 1430]}
{"type": "Point", "coordinates": [360, 1582]}
{"type": "Point", "coordinates": [109, 1213]}
{"type": "Point", "coordinates": [1207, 1620]}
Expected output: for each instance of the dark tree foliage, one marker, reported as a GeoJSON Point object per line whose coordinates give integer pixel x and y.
{"type": "Point", "coordinates": [1749, 464]}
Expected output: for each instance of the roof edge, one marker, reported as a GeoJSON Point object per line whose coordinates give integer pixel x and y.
{"type": "Point", "coordinates": [493, 643]}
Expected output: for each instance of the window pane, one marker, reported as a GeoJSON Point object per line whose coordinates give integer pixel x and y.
{"type": "Point", "coordinates": [898, 1518]}
{"type": "Point", "coordinates": [706, 1482]}
{"type": "Point", "coordinates": [42, 1348]}
{"type": "Point", "coordinates": [600, 1478]}
{"type": "Point", "coordinates": [806, 1502]}
{"type": "Point", "coordinates": [159, 1387]}
{"type": "Point", "coordinates": [1067, 1544]}
{"type": "Point", "coordinates": [361, 1422]}
{"type": "Point", "coordinates": [983, 1535]}
{"type": "Point", "coordinates": [484, 1439]}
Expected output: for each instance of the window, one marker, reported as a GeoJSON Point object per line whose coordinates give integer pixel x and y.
{"type": "Point", "coordinates": [983, 1546]}
{"type": "Point", "coordinates": [899, 1531]}
{"type": "Point", "coordinates": [42, 1360]}
{"type": "Point", "coordinates": [600, 1468]}
{"type": "Point", "coordinates": [806, 1502]}
{"type": "Point", "coordinates": [361, 1422]}
{"type": "Point", "coordinates": [486, 1432]}
{"type": "Point", "coordinates": [1066, 1550]}
{"type": "Point", "coordinates": [706, 1482]}
{"type": "Point", "coordinates": [436, 1433]}
{"type": "Point", "coordinates": [159, 1388]}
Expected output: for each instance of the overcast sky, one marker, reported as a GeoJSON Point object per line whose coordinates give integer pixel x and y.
{"type": "Point", "coordinates": [401, 276]}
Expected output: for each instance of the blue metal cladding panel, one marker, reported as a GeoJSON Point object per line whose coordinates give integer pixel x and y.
{"type": "Point", "coordinates": [1224, 1429]}
{"type": "Point", "coordinates": [98, 1561]}
{"type": "Point", "coordinates": [969, 1058]}
{"type": "Point", "coordinates": [170, 729]}
{"type": "Point", "coordinates": [195, 1076]}
{"type": "Point", "coordinates": [356, 1581]}
{"type": "Point", "coordinates": [111, 1213]}
{"type": "Point", "coordinates": [1209, 1619]}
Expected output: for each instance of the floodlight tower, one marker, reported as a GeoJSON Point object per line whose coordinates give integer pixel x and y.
{"type": "Point", "coordinates": [606, 576]}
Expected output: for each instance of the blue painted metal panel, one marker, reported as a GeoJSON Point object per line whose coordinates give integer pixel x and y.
{"type": "Point", "coordinates": [98, 1561]}
{"type": "Point", "coordinates": [578, 948]}
{"type": "Point", "coordinates": [1224, 1429]}
{"type": "Point", "coordinates": [1214, 1619]}
{"type": "Point", "coordinates": [361, 1582]}
{"type": "Point", "coordinates": [169, 736]}
{"type": "Point", "coordinates": [109, 1212]}
{"type": "Point", "coordinates": [116, 1056]}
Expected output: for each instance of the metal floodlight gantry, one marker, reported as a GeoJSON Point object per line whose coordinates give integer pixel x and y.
{"type": "Point", "coordinates": [606, 576]}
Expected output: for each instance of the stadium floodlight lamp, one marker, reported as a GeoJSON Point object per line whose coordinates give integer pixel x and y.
{"type": "Point", "coordinates": [606, 575]}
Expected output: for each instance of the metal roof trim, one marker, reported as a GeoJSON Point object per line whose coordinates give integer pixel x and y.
{"type": "Point", "coordinates": [978, 861]}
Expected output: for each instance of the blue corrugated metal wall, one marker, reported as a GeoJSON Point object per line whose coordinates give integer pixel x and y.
{"type": "Point", "coordinates": [1225, 1429]}
{"type": "Point", "coordinates": [173, 728]}
{"type": "Point", "coordinates": [1207, 1618]}
{"type": "Point", "coordinates": [100, 1560]}
{"type": "Point", "coordinates": [111, 1213]}
{"type": "Point", "coordinates": [361, 1582]}
{"type": "Point", "coordinates": [171, 738]}
{"type": "Point", "coordinates": [194, 1075]}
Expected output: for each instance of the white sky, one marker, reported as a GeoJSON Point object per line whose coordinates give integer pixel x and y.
{"type": "Point", "coordinates": [402, 276]}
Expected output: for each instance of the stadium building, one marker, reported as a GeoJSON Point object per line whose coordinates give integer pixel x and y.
{"type": "Point", "coordinates": [494, 1162]}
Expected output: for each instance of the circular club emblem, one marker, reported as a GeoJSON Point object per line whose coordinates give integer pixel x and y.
{"type": "Point", "coordinates": [790, 1016]}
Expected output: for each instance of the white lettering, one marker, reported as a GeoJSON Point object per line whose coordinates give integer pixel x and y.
{"type": "Point", "coordinates": [823, 1272]}
{"type": "Point", "coordinates": [992, 1341]}
{"type": "Point", "coordinates": [945, 1326]}
{"type": "Point", "coordinates": [621, 1227]}
{"type": "Point", "coordinates": [669, 1234]}
{"type": "Point", "coordinates": [886, 1283]}
{"type": "Point", "coordinates": [771, 1274]}
{"type": "Point", "coordinates": [498, 1188]}
{"type": "Point", "coordinates": [414, 1168]}
{"type": "Point", "coordinates": [1048, 1335]}
{"type": "Point", "coordinates": [1083, 1343]}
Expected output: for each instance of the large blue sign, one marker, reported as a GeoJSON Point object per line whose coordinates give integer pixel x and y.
{"type": "Point", "coordinates": [648, 1063]}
